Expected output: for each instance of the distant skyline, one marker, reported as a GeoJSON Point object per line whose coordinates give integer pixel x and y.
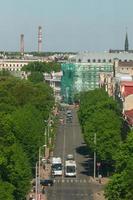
{"type": "Point", "coordinates": [67, 25]}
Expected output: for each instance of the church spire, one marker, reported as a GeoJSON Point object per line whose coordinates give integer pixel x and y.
{"type": "Point", "coordinates": [126, 43]}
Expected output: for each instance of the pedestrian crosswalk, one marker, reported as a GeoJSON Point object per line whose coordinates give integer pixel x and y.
{"type": "Point", "coordinates": [72, 180]}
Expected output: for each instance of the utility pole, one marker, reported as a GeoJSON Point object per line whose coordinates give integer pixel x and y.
{"type": "Point", "coordinates": [39, 171]}
{"type": "Point", "coordinates": [36, 189]}
{"type": "Point", "coordinates": [95, 156]}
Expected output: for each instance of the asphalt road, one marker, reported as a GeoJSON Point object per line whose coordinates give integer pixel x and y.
{"type": "Point", "coordinates": [69, 140]}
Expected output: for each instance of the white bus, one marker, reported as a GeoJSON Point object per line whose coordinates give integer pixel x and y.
{"type": "Point", "coordinates": [56, 166]}
{"type": "Point", "coordinates": [70, 167]}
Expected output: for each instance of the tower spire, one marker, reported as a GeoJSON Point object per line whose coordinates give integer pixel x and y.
{"type": "Point", "coordinates": [126, 42]}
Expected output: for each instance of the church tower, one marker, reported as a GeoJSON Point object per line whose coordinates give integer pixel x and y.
{"type": "Point", "coordinates": [126, 43]}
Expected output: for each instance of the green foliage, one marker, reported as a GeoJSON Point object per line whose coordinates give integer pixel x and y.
{"type": "Point", "coordinates": [107, 133]}
{"type": "Point", "coordinates": [23, 108]}
{"type": "Point", "coordinates": [4, 73]}
{"type": "Point", "coordinates": [28, 128]}
{"type": "Point", "coordinates": [99, 114]}
{"type": "Point", "coordinates": [36, 77]}
{"type": "Point", "coordinates": [14, 164]}
{"type": "Point", "coordinates": [94, 101]}
{"type": "Point", "coordinates": [6, 191]}
{"type": "Point", "coordinates": [15, 93]}
{"type": "Point", "coordinates": [45, 67]}
{"type": "Point", "coordinates": [121, 185]}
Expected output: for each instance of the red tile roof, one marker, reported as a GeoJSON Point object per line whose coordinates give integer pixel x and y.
{"type": "Point", "coordinates": [127, 83]}
{"type": "Point", "coordinates": [129, 116]}
{"type": "Point", "coordinates": [127, 88]}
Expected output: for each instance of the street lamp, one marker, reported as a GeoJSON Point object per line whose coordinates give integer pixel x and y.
{"type": "Point", "coordinates": [39, 168]}
{"type": "Point", "coordinates": [95, 156]}
{"type": "Point", "coordinates": [36, 189]}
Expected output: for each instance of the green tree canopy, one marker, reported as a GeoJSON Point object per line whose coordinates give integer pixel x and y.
{"type": "Point", "coordinates": [6, 191]}
{"type": "Point", "coordinates": [120, 186]}
{"type": "Point", "coordinates": [45, 67]}
{"type": "Point", "coordinates": [106, 125]}
{"type": "Point", "coordinates": [14, 164]}
{"type": "Point", "coordinates": [28, 128]}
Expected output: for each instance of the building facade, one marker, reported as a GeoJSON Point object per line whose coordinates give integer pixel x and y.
{"type": "Point", "coordinates": [82, 72]}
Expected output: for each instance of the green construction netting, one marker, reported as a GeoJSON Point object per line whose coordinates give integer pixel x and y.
{"type": "Point", "coordinates": [78, 77]}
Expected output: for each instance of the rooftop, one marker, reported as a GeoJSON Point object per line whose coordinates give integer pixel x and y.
{"type": "Point", "coordinates": [84, 57]}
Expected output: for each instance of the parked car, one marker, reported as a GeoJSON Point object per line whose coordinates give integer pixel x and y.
{"type": "Point", "coordinates": [46, 182]}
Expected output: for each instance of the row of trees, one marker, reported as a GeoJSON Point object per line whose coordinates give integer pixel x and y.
{"type": "Point", "coordinates": [37, 69]}
{"type": "Point", "coordinates": [45, 67]}
{"type": "Point", "coordinates": [101, 115]}
{"type": "Point", "coordinates": [24, 107]}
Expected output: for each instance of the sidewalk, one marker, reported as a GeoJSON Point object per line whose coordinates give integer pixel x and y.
{"type": "Point", "coordinates": [45, 171]}
{"type": "Point", "coordinates": [100, 194]}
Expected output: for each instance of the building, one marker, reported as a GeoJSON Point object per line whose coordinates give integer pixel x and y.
{"type": "Point", "coordinates": [17, 64]}
{"type": "Point", "coordinates": [124, 67]}
{"type": "Point", "coordinates": [82, 72]}
{"type": "Point", "coordinates": [126, 94]}
{"type": "Point", "coordinates": [54, 80]}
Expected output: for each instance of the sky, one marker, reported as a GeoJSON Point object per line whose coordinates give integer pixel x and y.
{"type": "Point", "coordinates": [67, 25]}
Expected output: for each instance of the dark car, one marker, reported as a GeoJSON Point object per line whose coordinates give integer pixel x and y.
{"type": "Point", "coordinates": [46, 182]}
{"type": "Point", "coordinates": [69, 119]}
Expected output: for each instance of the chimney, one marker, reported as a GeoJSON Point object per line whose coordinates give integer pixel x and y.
{"type": "Point", "coordinates": [39, 39]}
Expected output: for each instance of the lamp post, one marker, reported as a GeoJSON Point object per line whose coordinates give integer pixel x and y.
{"type": "Point", "coordinates": [39, 169]}
{"type": "Point", "coordinates": [95, 156]}
{"type": "Point", "coordinates": [36, 189]}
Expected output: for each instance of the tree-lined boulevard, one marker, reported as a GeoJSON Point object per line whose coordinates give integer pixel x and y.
{"type": "Point", "coordinates": [24, 107]}
{"type": "Point", "coordinates": [96, 137]}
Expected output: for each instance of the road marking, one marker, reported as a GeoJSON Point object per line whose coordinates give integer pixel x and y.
{"type": "Point", "coordinates": [83, 181]}
{"type": "Point", "coordinates": [64, 141]}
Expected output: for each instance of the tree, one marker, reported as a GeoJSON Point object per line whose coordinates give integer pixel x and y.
{"type": "Point", "coordinates": [120, 186]}
{"type": "Point", "coordinates": [106, 125]}
{"type": "Point", "coordinates": [36, 77]}
{"type": "Point", "coordinates": [14, 164]}
{"type": "Point", "coordinates": [28, 128]}
{"type": "Point", "coordinates": [93, 101]}
{"type": "Point", "coordinates": [6, 191]}
{"type": "Point", "coordinates": [43, 67]}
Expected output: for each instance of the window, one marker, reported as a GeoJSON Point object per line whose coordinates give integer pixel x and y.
{"type": "Point", "coordinates": [110, 60]}
{"type": "Point", "coordinates": [79, 60]}
{"type": "Point", "coordinates": [94, 60]}
{"type": "Point", "coordinates": [104, 60]}
{"type": "Point", "coordinates": [89, 60]}
{"type": "Point", "coordinates": [99, 60]}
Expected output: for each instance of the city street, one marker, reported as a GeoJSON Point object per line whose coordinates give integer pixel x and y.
{"type": "Point", "coordinates": [69, 141]}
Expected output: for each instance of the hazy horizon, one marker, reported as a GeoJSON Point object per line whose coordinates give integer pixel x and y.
{"type": "Point", "coordinates": [68, 26]}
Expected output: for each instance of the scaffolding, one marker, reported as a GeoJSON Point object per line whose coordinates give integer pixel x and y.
{"type": "Point", "coordinates": [78, 77]}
